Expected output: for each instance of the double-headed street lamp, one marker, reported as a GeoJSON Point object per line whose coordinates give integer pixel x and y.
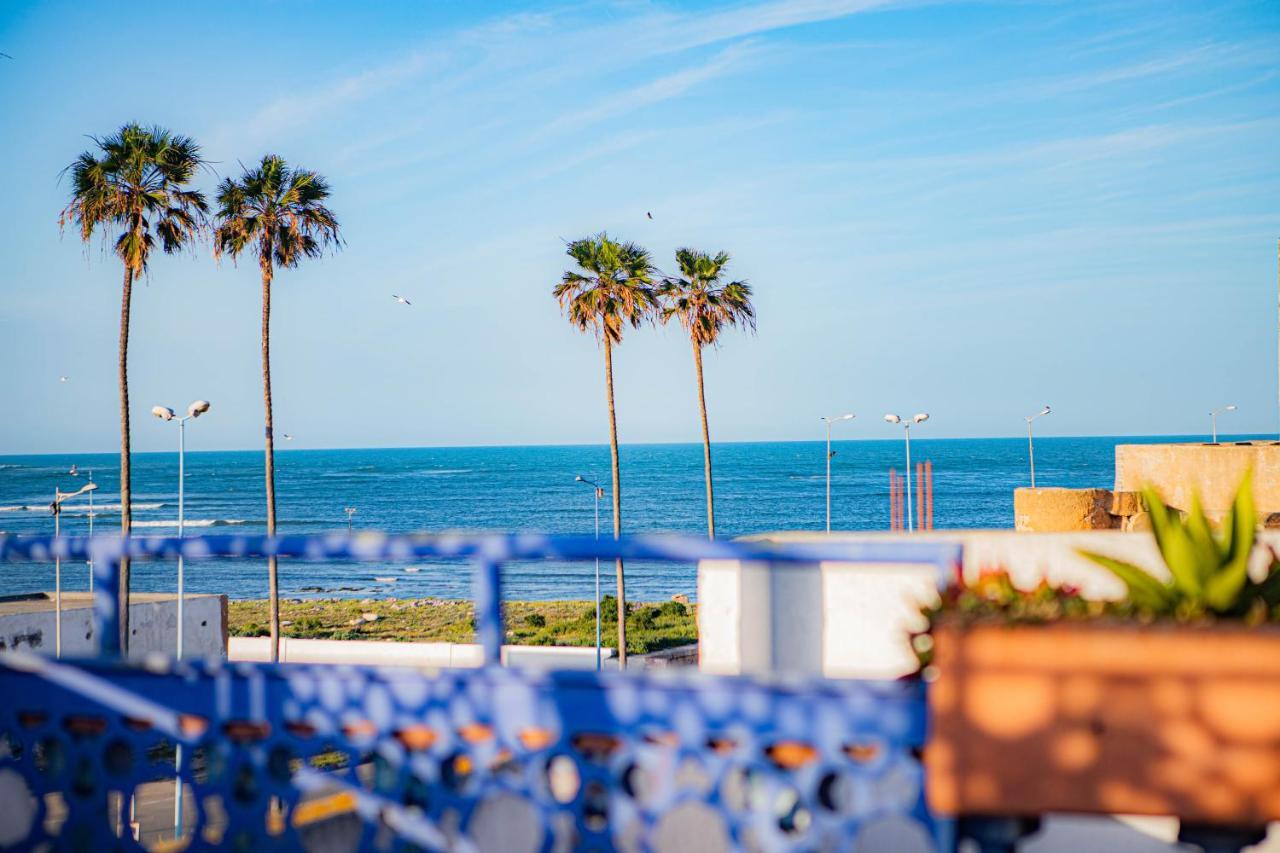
{"type": "Point", "coordinates": [599, 493]}
{"type": "Point", "coordinates": [1213, 417]}
{"type": "Point", "coordinates": [906, 430]}
{"type": "Point", "coordinates": [195, 410]}
{"type": "Point", "coordinates": [164, 413]}
{"type": "Point", "coordinates": [1031, 448]}
{"type": "Point", "coordinates": [829, 421]}
{"type": "Point", "coordinates": [59, 497]}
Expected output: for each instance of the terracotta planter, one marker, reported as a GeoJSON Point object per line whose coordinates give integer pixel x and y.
{"type": "Point", "coordinates": [1106, 718]}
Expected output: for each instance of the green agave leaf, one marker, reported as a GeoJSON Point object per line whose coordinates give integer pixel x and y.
{"type": "Point", "coordinates": [1242, 522]}
{"type": "Point", "coordinates": [1176, 546]}
{"type": "Point", "coordinates": [1222, 591]}
{"type": "Point", "coordinates": [1144, 590]}
{"type": "Point", "coordinates": [1161, 518]}
{"type": "Point", "coordinates": [1209, 555]}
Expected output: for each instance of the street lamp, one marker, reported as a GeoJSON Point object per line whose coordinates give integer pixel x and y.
{"type": "Point", "coordinates": [1031, 448]}
{"type": "Point", "coordinates": [919, 418]}
{"type": "Point", "coordinates": [59, 497]}
{"type": "Point", "coordinates": [599, 493]}
{"type": "Point", "coordinates": [195, 410]}
{"type": "Point", "coordinates": [1213, 417]}
{"type": "Point", "coordinates": [829, 421]}
{"type": "Point", "coordinates": [76, 473]}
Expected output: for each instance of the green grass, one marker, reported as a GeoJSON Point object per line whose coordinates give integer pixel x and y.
{"type": "Point", "coordinates": [650, 627]}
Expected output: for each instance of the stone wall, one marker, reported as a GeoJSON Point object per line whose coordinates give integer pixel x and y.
{"type": "Point", "coordinates": [1068, 510]}
{"type": "Point", "coordinates": [1213, 471]}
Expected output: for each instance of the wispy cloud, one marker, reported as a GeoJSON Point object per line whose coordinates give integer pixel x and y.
{"type": "Point", "coordinates": [578, 45]}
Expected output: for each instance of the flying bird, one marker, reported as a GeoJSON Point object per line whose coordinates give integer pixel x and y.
{"type": "Point", "coordinates": [63, 379]}
{"type": "Point", "coordinates": [401, 300]}
{"type": "Point", "coordinates": [648, 214]}
{"type": "Point", "coordinates": [288, 437]}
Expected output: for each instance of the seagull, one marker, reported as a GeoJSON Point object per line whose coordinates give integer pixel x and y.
{"type": "Point", "coordinates": [288, 437]}
{"type": "Point", "coordinates": [63, 379]}
{"type": "Point", "coordinates": [648, 214]}
{"type": "Point", "coordinates": [401, 300]}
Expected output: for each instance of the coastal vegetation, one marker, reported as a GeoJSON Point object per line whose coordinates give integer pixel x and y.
{"type": "Point", "coordinates": [534, 623]}
{"type": "Point", "coordinates": [704, 304]}
{"type": "Point", "coordinates": [135, 186]}
{"type": "Point", "coordinates": [277, 213]}
{"type": "Point", "coordinates": [611, 289]}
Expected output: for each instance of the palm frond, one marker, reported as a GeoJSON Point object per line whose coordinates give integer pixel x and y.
{"type": "Point", "coordinates": [135, 188]}
{"type": "Point", "coordinates": [613, 287]}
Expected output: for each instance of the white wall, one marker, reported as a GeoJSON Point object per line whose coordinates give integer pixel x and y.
{"type": "Point", "coordinates": [852, 620]}
{"type": "Point", "coordinates": [153, 621]}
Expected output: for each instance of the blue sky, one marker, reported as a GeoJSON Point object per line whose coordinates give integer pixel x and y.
{"type": "Point", "coordinates": [968, 208]}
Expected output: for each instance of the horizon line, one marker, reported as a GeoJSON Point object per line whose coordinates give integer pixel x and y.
{"type": "Point", "coordinates": [1193, 438]}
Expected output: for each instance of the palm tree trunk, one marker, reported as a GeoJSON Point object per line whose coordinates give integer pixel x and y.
{"type": "Point", "coordinates": [706, 442]}
{"type": "Point", "coordinates": [617, 503]}
{"type": "Point", "coordinates": [273, 579]}
{"type": "Point", "coordinates": [126, 500]}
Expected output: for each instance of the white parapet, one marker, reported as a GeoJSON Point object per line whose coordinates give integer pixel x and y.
{"type": "Point", "coordinates": [28, 623]}
{"type": "Point", "coordinates": [848, 620]}
{"type": "Point", "coordinates": [422, 655]}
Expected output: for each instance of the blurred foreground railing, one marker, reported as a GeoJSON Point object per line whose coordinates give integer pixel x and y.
{"type": "Point", "coordinates": [329, 757]}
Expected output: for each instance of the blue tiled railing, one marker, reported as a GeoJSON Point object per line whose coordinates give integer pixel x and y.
{"type": "Point", "coordinates": [300, 757]}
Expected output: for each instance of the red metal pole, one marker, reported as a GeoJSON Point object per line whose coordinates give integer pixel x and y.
{"type": "Point", "coordinates": [897, 501]}
{"type": "Point", "coordinates": [893, 499]}
{"type": "Point", "coordinates": [920, 495]}
{"type": "Point", "coordinates": [928, 475]}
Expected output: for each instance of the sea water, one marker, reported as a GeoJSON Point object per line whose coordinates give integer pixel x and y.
{"type": "Point", "coordinates": [759, 487]}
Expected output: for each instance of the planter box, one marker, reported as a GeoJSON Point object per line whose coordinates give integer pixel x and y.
{"type": "Point", "coordinates": [1106, 718]}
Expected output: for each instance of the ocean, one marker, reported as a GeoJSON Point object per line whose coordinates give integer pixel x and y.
{"type": "Point", "coordinates": [760, 487]}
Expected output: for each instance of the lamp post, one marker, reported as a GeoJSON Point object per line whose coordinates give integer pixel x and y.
{"type": "Point", "coordinates": [195, 410]}
{"type": "Point", "coordinates": [919, 418]}
{"type": "Point", "coordinates": [599, 493]}
{"type": "Point", "coordinates": [59, 497]}
{"type": "Point", "coordinates": [350, 511]}
{"type": "Point", "coordinates": [1031, 447]}
{"type": "Point", "coordinates": [88, 561]}
{"type": "Point", "coordinates": [829, 421]}
{"type": "Point", "coordinates": [1213, 418]}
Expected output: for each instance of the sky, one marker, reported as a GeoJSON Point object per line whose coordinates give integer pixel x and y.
{"type": "Point", "coordinates": [967, 208]}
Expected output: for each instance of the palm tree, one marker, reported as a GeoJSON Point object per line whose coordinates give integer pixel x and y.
{"type": "Point", "coordinates": [612, 288]}
{"type": "Point", "coordinates": [704, 304]}
{"type": "Point", "coordinates": [134, 187]}
{"type": "Point", "coordinates": [277, 212]}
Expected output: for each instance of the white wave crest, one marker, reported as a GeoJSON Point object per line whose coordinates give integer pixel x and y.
{"type": "Point", "coordinates": [190, 522]}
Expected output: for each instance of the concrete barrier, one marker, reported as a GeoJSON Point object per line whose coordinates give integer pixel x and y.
{"type": "Point", "coordinates": [1214, 471]}
{"type": "Point", "coordinates": [28, 622]}
{"type": "Point", "coordinates": [848, 620]}
{"type": "Point", "coordinates": [422, 655]}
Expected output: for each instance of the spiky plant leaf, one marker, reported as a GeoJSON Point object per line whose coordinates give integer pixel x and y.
{"type": "Point", "coordinates": [1144, 590]}
{"type": "Point", "coordinates": [1175, 545]}
{"type": "Point", "coordinates": [1222, 590]}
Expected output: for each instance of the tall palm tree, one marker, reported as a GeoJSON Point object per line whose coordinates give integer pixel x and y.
{"type": "Point", "coordinates": [133, 186]}
{"type": "Point", "coordinates": [704, 304]}
{"type": "Point", "coordinates": [612, 288]}
{"type": "Point", "coordinates": [278, 213]}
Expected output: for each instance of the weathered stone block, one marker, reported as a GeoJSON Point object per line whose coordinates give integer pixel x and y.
{"type": "Point", "coordinates": [1126, 503]}
{"type": "Point", "coordinates": [1062, 510]}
